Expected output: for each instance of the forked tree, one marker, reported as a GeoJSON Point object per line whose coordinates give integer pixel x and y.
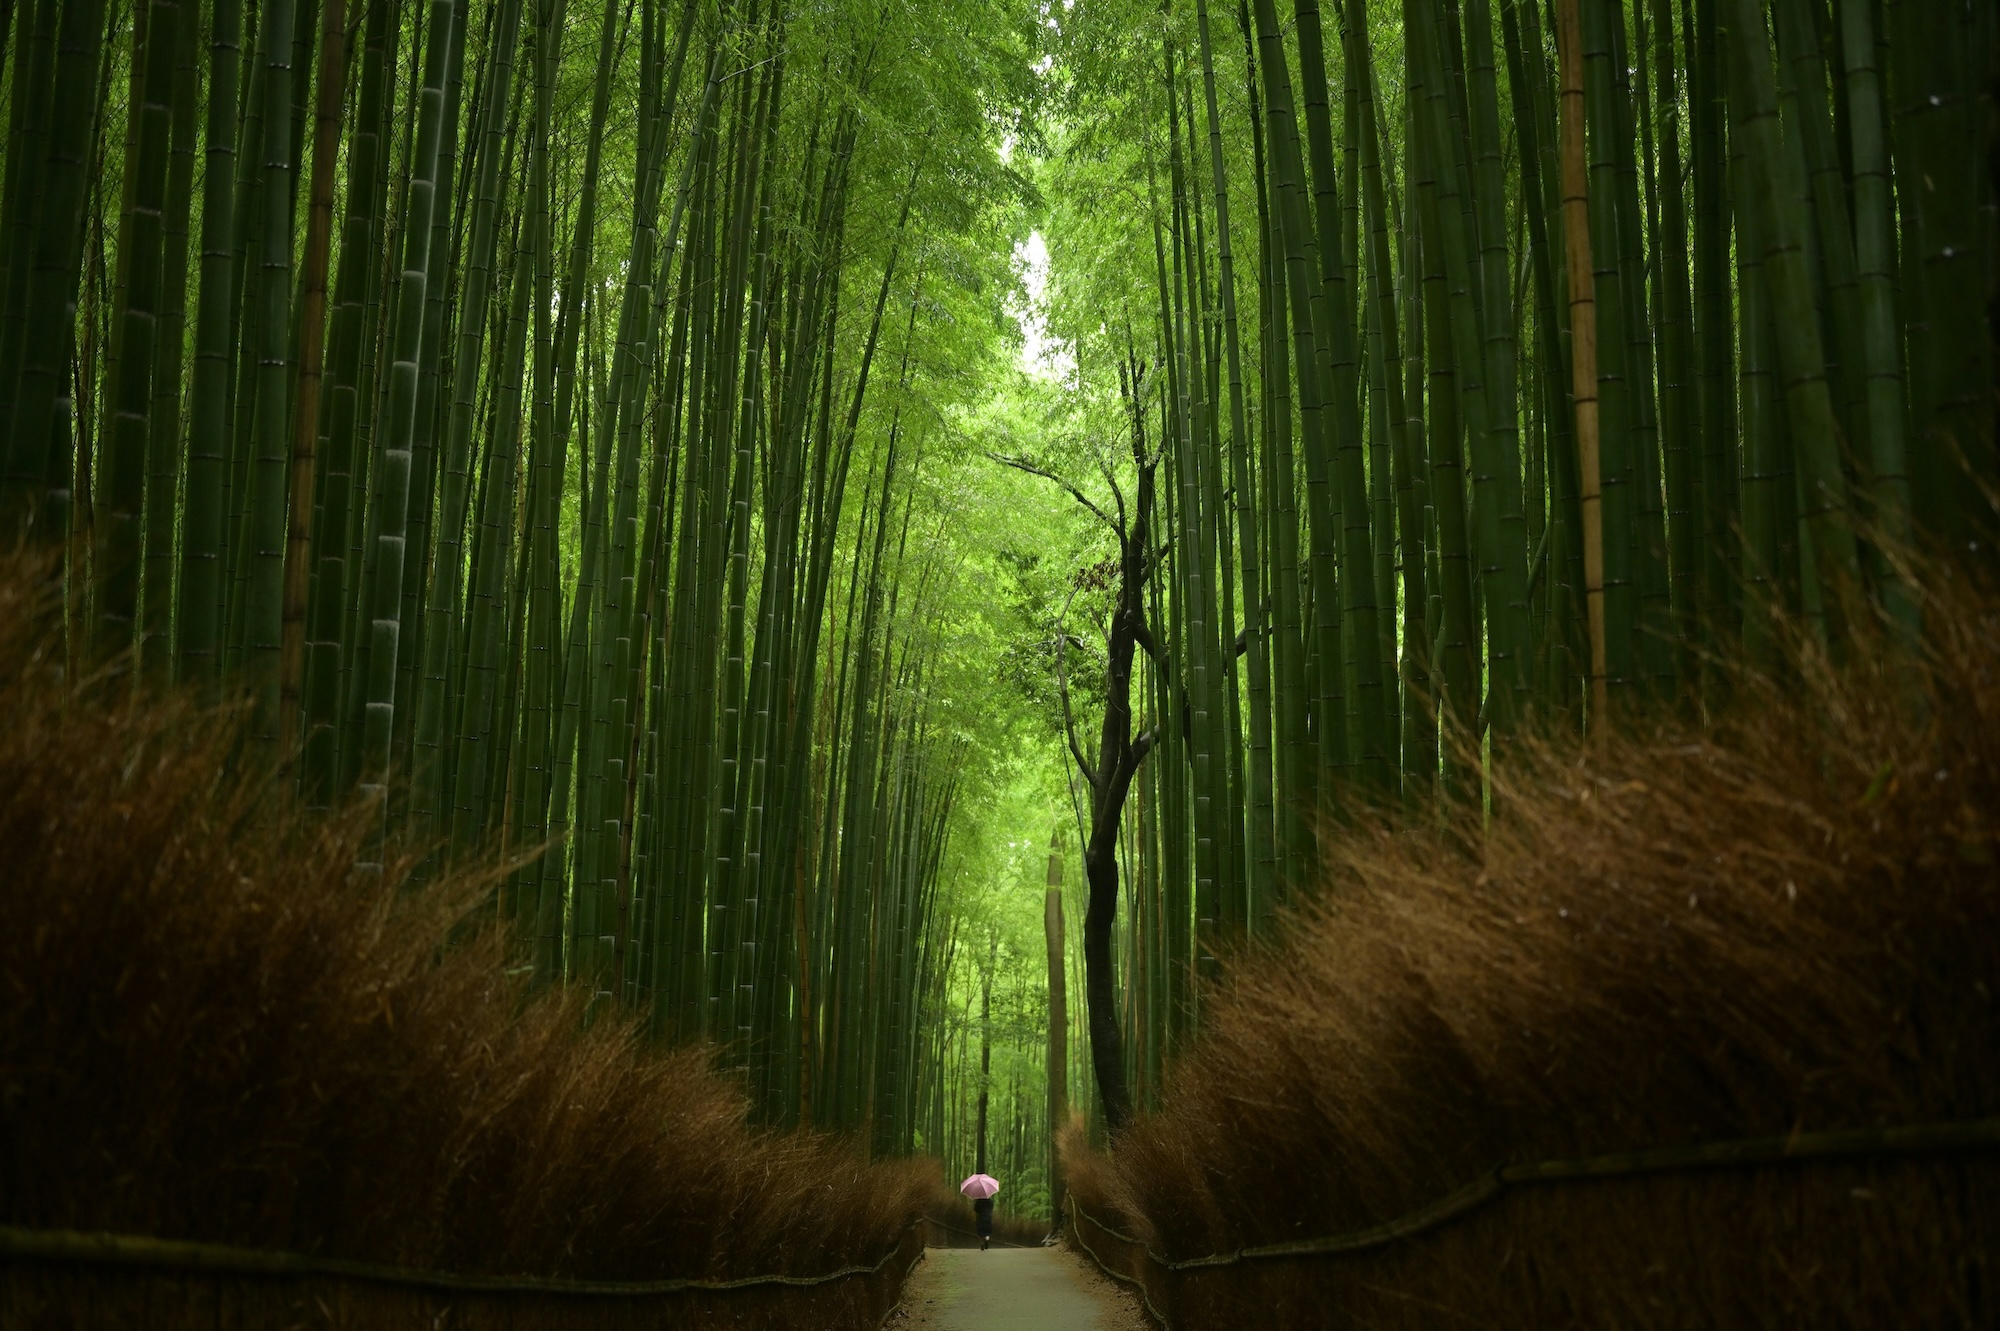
{"type": "Point", "coordinates": [1108, 770]}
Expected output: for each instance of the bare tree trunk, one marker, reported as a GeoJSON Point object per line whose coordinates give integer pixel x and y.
{"type": "Point", "coordinates": [1107, 1042]}
{"type": "Point", "coordinates": [1583, 341]}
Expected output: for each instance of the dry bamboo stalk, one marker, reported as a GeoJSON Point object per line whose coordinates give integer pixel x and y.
{"type": "Point", "coordinates": [1583, 340]}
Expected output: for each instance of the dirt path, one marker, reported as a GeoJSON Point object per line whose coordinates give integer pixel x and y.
{"type": "Point", "coordinates": [1013, 1289]}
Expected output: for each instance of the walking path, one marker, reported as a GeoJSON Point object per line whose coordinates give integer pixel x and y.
{"type": "Point", "coordinates": [1012, 1289]}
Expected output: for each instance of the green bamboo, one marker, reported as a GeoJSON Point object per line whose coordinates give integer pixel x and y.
{"type": "Point", "coordinates": [480, 768]}
{"type": "Point", "coordinates": [1496, 451]}
{"type": "Point", "coordinates": [264, 523]}
{"type": "Point", "coordinates": [1674, 338]}
{"type": "Point", "coordinates": [1874, 244]}
{"type": "Point", "coordinates": [1634, 202]}
{"type": "Point", "coordinates": [199, 594]}
{"type": "Point", "coordinates": [165, 438]}
{"type": "Point", "coordinates": [382, 593]}
{"type": "Point", "coordinates": [311, 365]}
{"type": "Point", "coordinates": [1620, 416]}
{"type": "Point", "coordinates": [1447, 343]}
{"type": "Point", "coordinates": [1348, 500]}
{"type": "Point", "coordinates": [1777, 197]}
{"type": "Point", "coordinates": [1181, 406]}
{"type": "Point", "coordinates": [431, 408]}
{"type": "Point", "coordinates": [38, 466]}
{"type": "Point", "coordinates": [1295, 767]}
{"type": "Point", "coordinates": [118, 527]}
{"type": "Point", "coordinates": [434, 701]}
{"type": "Point", "coordinates": [1262, 840]}
{"type": "Point", "coordinates": [1762, 588]}
{"type": "Point", "coordinates": [1291, 223]}
{"type": "Point", "coordinates": [1713, 316]}
{"type": "Point", "coordinates": [1938, 63]}
{"type": "Point", "coordinates": [1564, 653]}
{"type": "Point", "coordinates": [27, 134]}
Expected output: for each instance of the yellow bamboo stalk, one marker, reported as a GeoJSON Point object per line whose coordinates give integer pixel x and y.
{"type": "Point", "coordinates": [1583, 340]}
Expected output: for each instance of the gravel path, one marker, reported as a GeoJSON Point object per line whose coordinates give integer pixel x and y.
{"type": "Point", "coordinates": [1013, 1289]}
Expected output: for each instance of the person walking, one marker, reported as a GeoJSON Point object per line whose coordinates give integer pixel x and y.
{"type": "Point", "coordinates": [982, 1217]}
{"type": "Point", "coordinates": [981, 1189]}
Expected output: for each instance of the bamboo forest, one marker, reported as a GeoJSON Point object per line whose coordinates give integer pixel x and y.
{"type": "Point", "coordinates": [1349, 646]}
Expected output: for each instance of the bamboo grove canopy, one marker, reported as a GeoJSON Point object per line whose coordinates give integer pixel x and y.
{"type": "Point", "coordinates": [1446, 319]}
{"type": "Point", "coordinates": [552, 419]}
{"type": "Point", "coordinates": [526, 405]}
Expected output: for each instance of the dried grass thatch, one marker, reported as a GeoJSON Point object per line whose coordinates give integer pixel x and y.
{"type": "Point", "coordinates": [1784, 920]}
{"type": "Point", "coordinates": [210, 1032]}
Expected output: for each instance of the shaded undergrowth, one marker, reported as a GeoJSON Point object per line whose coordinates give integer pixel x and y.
{"type": "Point", "coordinates": [1783, 919]}
{"type": "Point", "coordinates": [212, 1028]}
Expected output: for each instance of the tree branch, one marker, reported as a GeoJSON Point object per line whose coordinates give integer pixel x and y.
{"type": "Point", "coordinates": [1117, 495]}
{"type": "Point", "coordinates": [1022, 464]}
{"type": "Point", "coordinates": [1143, 635]}
{"type": "Point", "coordinates": [1062, 686]}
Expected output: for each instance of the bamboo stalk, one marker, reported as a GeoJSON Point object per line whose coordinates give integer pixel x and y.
{"type": "Point", "coordinates": [306, 396]}
{"type": "Point", "coordinates": [1583, 343]}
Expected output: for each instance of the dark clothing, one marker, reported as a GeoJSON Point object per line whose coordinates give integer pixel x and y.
{"type": "Point", "coordinates": [982, 1214]}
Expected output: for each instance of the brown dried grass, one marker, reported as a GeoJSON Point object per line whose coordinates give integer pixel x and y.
{"type": "Point", "coordinates": [1785, 919]}
{"type": "Point", "coordinates": [209, 1030]}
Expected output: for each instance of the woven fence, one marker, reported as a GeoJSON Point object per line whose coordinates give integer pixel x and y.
{"type": "Point", "coordinates": [1863, 1229]}
{"type": "Point", "coordinates": [61, 1281]}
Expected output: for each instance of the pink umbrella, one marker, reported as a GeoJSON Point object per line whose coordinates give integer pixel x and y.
{"type": "Point", "coordinates": [980, 1185]}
